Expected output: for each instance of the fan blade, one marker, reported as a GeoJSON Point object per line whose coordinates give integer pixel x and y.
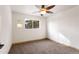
{"type": "Point", "coordinates": [50, 7]}
{"type": "Point", "coordinates": [35, 12]}
{"type": "Point", "coordinates": [43, 6]}
{"type": "Point", "coordinates": [38, 6]}
{"type": "Point", "coordinates": [49, 12]}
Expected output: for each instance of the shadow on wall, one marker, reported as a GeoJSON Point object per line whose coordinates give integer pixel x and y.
{"type": "Point", "coordinates": [57, 36]}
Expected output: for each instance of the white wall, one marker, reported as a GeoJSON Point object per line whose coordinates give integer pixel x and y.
{"type": "Point", "coordinates": [22, 34]}
{"type": "Point", "coordinates": [64, 27]}
{"type": "Point", "coordinates": [5, 30]}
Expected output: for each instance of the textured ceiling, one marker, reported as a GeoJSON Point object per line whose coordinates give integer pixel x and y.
{"type": "Point", "coordinates": [33, 9]}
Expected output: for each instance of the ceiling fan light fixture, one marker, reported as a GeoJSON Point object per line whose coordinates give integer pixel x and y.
{"type": "Point", "coordinates": [43, 12]}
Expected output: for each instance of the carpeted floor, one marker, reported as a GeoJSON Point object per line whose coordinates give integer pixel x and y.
{"type": "Point", "coordinates": [42, 47]}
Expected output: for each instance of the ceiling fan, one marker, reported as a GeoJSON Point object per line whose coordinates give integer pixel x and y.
{"type": "Point", "coordinates": [43, 9]}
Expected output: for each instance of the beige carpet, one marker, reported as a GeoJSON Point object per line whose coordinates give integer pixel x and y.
{"type": "Point", "coordinates": [42, 47]}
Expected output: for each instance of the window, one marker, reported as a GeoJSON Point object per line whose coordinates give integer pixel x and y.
{"type": "Point", "coordinates": [29, 24]}
{"type": "Point", "coordinates": [35, 24]}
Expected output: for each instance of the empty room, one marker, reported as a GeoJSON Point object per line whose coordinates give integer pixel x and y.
{"type": "Point", "coordinates": [39, 29]}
